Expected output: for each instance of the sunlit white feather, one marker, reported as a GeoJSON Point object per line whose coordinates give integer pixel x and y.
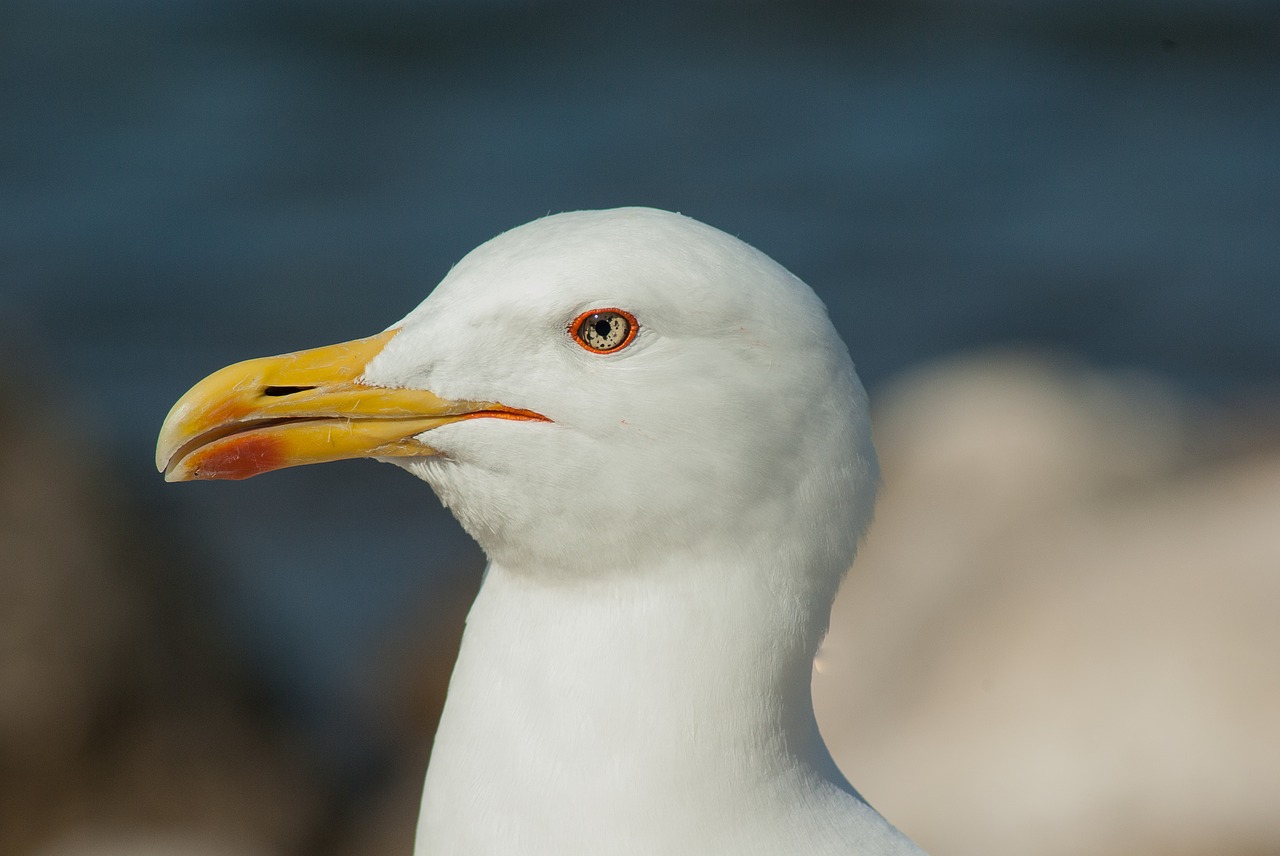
{"type": "Point", "coordinates": [634, 677]}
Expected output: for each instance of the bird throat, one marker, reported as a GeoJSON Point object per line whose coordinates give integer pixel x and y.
{"type": "Point", "coordinates": [608, 700]}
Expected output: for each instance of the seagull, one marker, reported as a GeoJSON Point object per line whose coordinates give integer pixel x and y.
{"type": "Point", "coordinates": [659, 440]}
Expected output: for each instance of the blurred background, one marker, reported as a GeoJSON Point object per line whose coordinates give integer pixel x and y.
{"type": "Point", "coordinates": [1048, 230]}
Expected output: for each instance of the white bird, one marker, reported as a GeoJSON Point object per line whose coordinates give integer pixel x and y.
{"type": "Point", "coordinates": [660, 442]}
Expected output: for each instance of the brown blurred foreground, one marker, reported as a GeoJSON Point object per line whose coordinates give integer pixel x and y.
{"type": "Point", "coordinates": [1062, 637]}
{"type": "Point", "coordinates": [124, 726]}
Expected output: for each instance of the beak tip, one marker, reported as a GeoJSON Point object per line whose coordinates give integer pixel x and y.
{"type": "Point", "coordinates": [165, 450]}
{"type": "Point", "coordinates": [168, 468]}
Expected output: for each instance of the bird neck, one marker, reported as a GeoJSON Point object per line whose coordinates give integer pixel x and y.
{"type": "Point", "coordinates": [606, 698]}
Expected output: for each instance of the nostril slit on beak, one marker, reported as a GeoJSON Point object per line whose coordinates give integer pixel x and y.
{"type": "Point", "coordinates": [284, 390]}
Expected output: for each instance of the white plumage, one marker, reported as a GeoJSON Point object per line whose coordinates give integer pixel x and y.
{"type": "Point", "coordinates": [664, 548]}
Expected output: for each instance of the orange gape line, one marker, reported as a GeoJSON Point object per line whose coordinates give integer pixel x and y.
{"type": "Point", "coordinates": [501, 412]}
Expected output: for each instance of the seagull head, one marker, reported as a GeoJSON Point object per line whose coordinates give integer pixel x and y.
{"type": "Point", "coordinates": [591, 394]}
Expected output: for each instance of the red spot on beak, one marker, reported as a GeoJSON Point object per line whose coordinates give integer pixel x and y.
{"type": "Point", "coordinates": [239, 458]}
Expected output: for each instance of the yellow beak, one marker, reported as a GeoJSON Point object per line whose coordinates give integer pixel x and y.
{"type": "Point", "coordinates": [302, 408]}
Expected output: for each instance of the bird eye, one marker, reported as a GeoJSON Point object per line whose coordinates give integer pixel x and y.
{"type": "Point", "coordinates": [604, 330]}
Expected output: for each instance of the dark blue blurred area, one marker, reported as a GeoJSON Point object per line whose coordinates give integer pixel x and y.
{"type": "Point", "coordinates": [188, 184]}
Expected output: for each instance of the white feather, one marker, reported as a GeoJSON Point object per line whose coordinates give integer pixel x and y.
{"type": "Point", "coordinates": [634, 676]}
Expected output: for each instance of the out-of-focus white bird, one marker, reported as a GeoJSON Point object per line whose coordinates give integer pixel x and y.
{"type": "Point", "coordinates": [659, 440]}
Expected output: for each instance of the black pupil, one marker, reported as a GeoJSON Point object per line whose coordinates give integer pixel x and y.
{"type": "Point", "coordinates": [603, 327]}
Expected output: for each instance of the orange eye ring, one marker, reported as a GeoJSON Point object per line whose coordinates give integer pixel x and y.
{"type": "Point", "coordinates": [604, 331]}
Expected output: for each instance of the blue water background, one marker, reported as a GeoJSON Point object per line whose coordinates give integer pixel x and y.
{"type": "Point", "coordinates": [187, 184]}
